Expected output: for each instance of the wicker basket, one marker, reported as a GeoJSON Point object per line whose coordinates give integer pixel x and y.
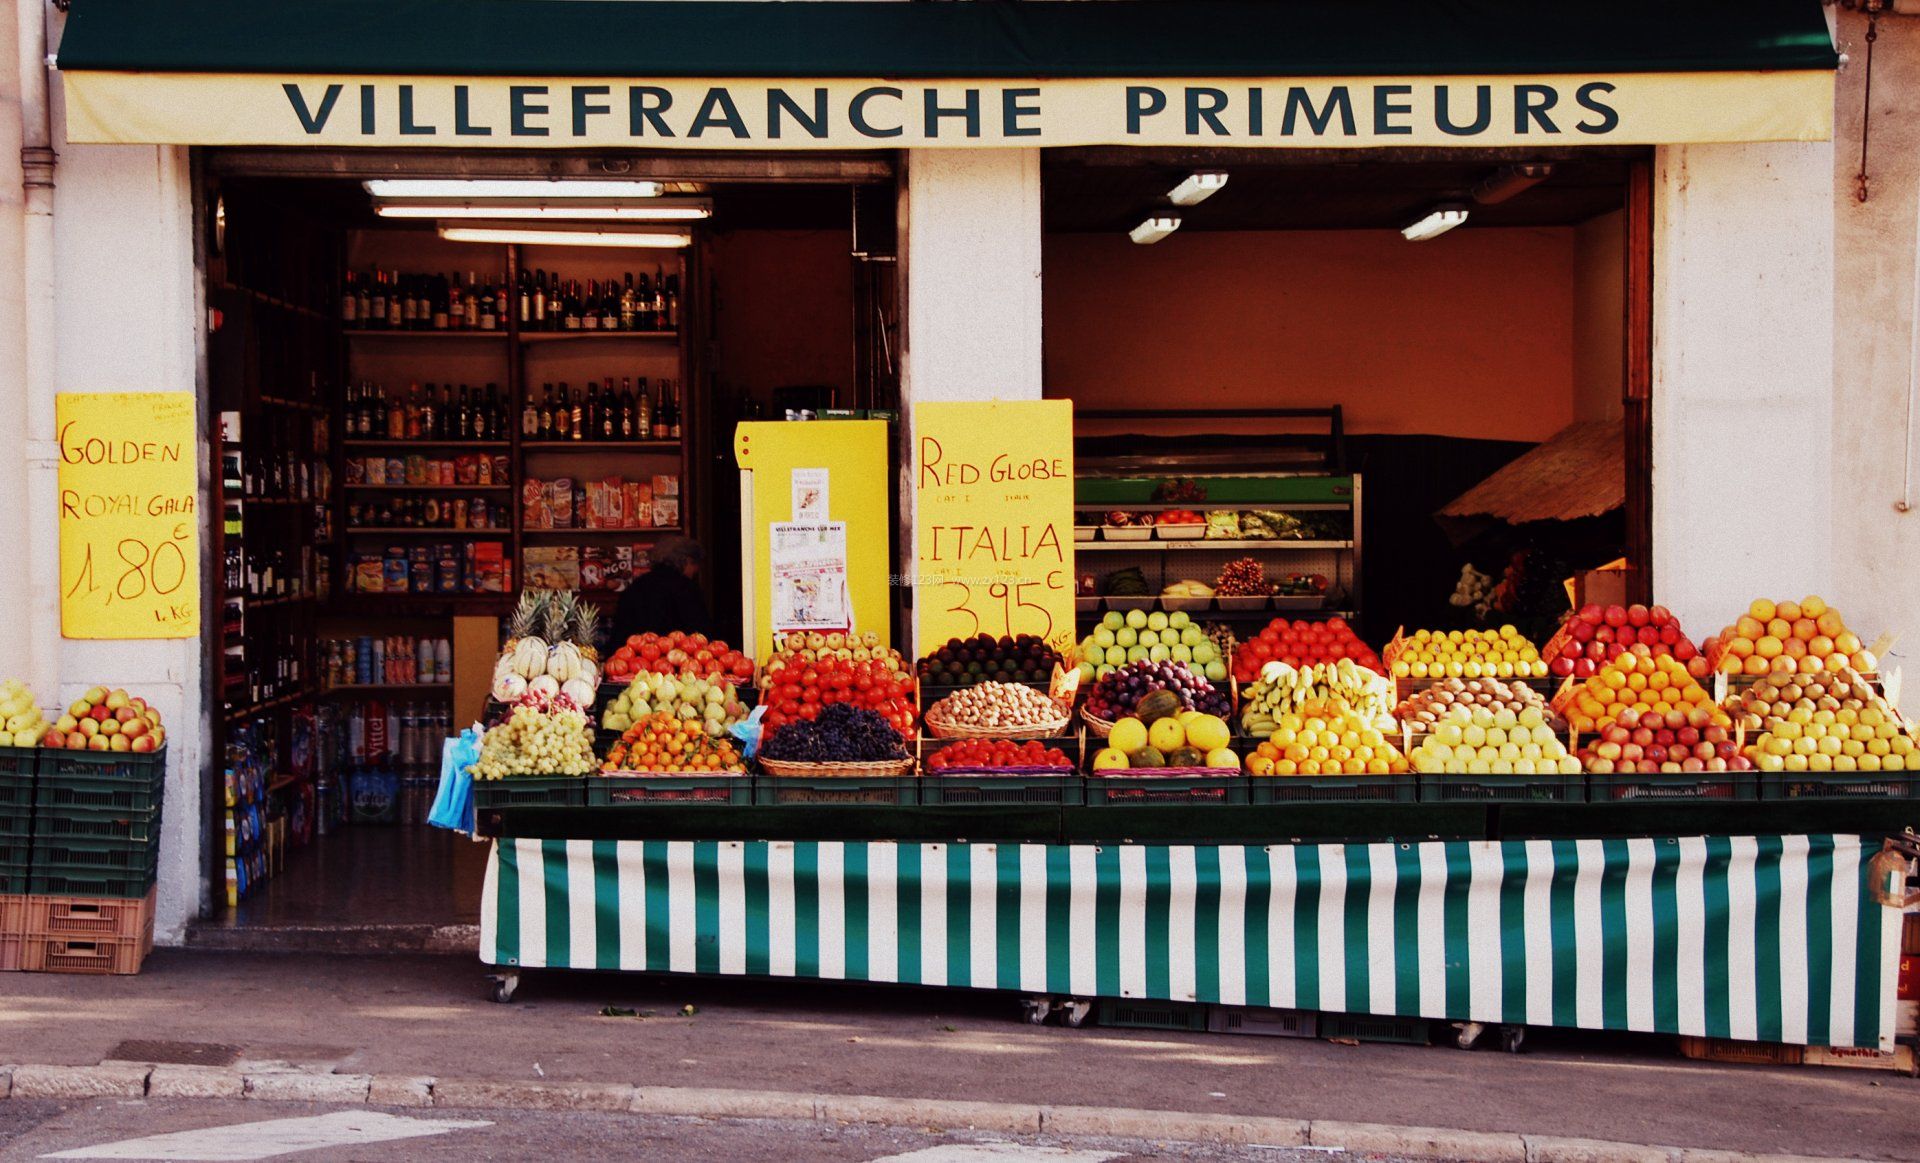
{"type": "Point", "coordinates": [1098, 726]}
{"type": "Point", "coordinates": [870, 770]}
{"type": "Point", "coordinates": [941, 729]}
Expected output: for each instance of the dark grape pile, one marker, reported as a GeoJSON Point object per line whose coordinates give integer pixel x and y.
{"type": "Point", "coordinates": [841, 733]}
{"type": "Point", "coordinates": [984, 658]}
{"type": "Point", "coordinates": [1116, 695]}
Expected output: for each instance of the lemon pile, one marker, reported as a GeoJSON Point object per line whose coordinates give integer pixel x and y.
{"type": "Point", "coordinates": [1502, 653]}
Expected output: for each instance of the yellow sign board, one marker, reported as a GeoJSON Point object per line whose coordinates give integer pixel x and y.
{"type": "Point", "coordinates": [993, 518]}
{"type": "Point", "coordinates": [129, 515]}
{"type": "Point", "coordinates": [416, 112]}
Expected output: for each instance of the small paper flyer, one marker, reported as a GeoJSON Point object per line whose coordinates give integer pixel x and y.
{"type": "Point", "coordinates": [809, 571]}
{"type": "Point", "coordinates": [809, 494]}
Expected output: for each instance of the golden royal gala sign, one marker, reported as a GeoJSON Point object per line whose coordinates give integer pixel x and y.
{"type": "Point", "coordinates": [993, 518]}
{"type": "Point", "coordinates": [129, 515]}
{"type": "Point", "coordinates": [560, 113]}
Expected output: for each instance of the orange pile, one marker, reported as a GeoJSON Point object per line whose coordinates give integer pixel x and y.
{"type": "Point", "coordinates": [1808, 634]}
{"type": "Point", "coordinates": [662, 742]}
{"type": "Point", "coordinates": [1644, 684]}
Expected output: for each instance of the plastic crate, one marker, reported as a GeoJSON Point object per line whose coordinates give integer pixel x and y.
{"type": "Point", "coordinates": [1263, 1021]}
{"type": "Point", "coordinates": [985, 787]}
{"type": "Point", "coordinates": [1510, 789]}
{"type": "Point", "coordinates": [15, 864]}
{"type": "Point", "coordinates": [1133, 1014]}
{"type": "Point", "coordinates": [96, 824]}
{"type": "Point", "coordinates": [1376, 1028]}
{"type": "Point", "coordinates": [104, 918]}
{"type": "Point", "coordinates": [10, 949]}
{"type": "Point", "coordinates": [1706, 785]}
{"type": "Point", "coordinates": [17, 767]}
{"type": "Point", "coordinates": [68, 881]}
{"type": "Point", "coordinates": [526, 791]}
{"type": "Point", "coordinates": [101, 780]}
{"type": "Point", "coordinates": [95, 853]}
{"type": "Point", "coordinates": [1743, 1053]}
{"type": "Point", "coordinates": [1333, 789]}
{"type": "Point", "coordinates": [609, 790]}
{"type": "Point", "coordinates": [1160, 790]}
{"type": "Point", "coordinates": [1840, 785]}
{"type": "Point", "coordinates": [88, 955]}
{"type": "Point", "coordinates": [13, 914]}
{"type": "Point", "coordinates": [826, 789]}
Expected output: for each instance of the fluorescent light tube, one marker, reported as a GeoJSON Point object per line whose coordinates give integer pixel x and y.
{"type": "Point", "coordinates": [465, 188]}
{"type": "Point", "coordinates": [1154, 229]}
{"type": "Point", "coordinates": [500, 208]}
{"type": "Point", "coordinates": [1197, 188]}
{"type": "Point", "coordinates": [1438, 221]}
{"type": "Point", "coordinates": [581, 236]}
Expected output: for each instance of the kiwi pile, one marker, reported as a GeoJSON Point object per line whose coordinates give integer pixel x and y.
{"type": "Point", "coordinates": [1424, 708]}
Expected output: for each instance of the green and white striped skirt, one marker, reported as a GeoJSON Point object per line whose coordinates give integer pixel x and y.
{"type": "Point", "coordinates": [1770, 938]}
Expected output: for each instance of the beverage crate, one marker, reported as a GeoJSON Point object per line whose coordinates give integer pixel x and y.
{"type": "Point", "coordinates": [17, 767]}
{"type": "Point", "coordinates": [1137, 1014]}
{"type": "Point", "coordinates": [10, 948]}
{"type": "Point", "coordinates": [1189, 785]}
{"type": "Point", "coordinates": [1840, 785]}
{"type": "Point", "coordinates": [118, 780]}
{"type": "Point", "coordinates": [609, 790]}
{"type": "Point", "coordinates": [13, 930]}
{"type": "Point", "coordinates": [15, 864]}
{"type": "Point", "coordinates": [1741, 1053]}
{"type": "Point", "coordinates": [524, 791]}
{"type": "Point", "coordinates": [69, 880]}
{"type": "Point", "coordinates": [1333, 789]}
{"type": "Point", "coordinates": [76, 823]}
{"type": "Point", "coordinates": [1704, 785]}
{"type": "Point", "coordinates": [1509, 789]}
{"type": "Point", "coordinates": [1015, 786]}
{"type": "Point", "coordinates": [89, 918]}
{"type": "Point", "coordinates": [94, 853]}
{"type": "Point", "coordinates": [1263, 1021]}
{"type": "Point", "coordinates": [1376, 1028]}
{"type": "Point", "coordinates": [855, 790]}
{"type": "Point", "coordinates": [85, 955]}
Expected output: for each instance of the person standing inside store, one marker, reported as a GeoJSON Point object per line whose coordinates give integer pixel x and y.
{"type": "Point", "coordinates": [667, 597]}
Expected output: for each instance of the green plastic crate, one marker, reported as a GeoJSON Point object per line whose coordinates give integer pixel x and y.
{"type": "Point", "coordinates": [1706, 785]}
{"type": "Point", "coordinates": [529, 791]}
{"type": "Point", "coordinates": [614, 790]}
{"type": "Point", "coordinates": [97, 823]}
{"type": "Point", "coordinates": [827, 790]}
{"type": "Point", "coordinates": [1840, 785]}
{"type": "Point", "coordinates": [116, 780]}
{"type": "Point", "coordinates": [1137, 1014]}
{"type": "Point", "coordinates": [94, 853]}
{"type": "Point", "coordinates": [1507, 789]}
{"type": "Point", "coordinates": [985, 788]}
{"type": "Point", "coordinates": [90, 882]}
{"type": "Point", "coordinates": [1376, 1028]}
{"type": "Point", "coordinates": [1333, 789]}
{"type": "Point", "coordinates": [1117, 791]}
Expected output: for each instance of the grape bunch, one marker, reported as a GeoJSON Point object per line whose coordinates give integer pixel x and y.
{"type": "Point", "coordinates": [536, 742]}
{"type": "Point", "coordinates": [841, 733]}
{"type": "Point", "coordinates": [1120, 692]}
{"type": "Point", "coordinates": [1244, 577]}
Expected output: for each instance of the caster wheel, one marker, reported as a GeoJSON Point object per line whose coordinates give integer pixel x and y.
{"type": "Point", "coordinates": [1074, 1014]}
{"type": "Point", "coordinates": [1469, 1034]}
{"type": "Point", "coordinates": [1036, 1009]}
{"type": "Point", "coordinates": [503, 987]}
{"type": "Point", "coordinates": [1511, 1037]}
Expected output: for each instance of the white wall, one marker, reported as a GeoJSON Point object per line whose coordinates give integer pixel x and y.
{"type": "Point", "coordinates": [128, 315]}
{"type": "Point", "coordinates": [1876, 546]}
{"type": "Point", "coordinates": [1742, 377]}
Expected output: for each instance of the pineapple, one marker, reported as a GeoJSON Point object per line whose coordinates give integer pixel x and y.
{"type": "Point", "coordinates": [559, 616]}
{"type": "Point", "coordinates": [586, 631]}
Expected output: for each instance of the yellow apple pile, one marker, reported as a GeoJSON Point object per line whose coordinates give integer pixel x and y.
{"type": "Point", "coordinates": [1809, 635]}
{"type": "Point", "coordinates": [1826, 723]}
{"type": "Point", "coordinates": [1479, 741]}
{"type": "Point", "coordinates": [1502, 653]}
{"type": "Point", "coordinates": [1325, 739]}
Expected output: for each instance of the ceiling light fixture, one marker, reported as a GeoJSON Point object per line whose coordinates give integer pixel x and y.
{"type": "Point", "coordinates": [1507, 181]}
{"type": "Point", "coordinates": [465, 188]}
{"type": "Point", "coordinates": [576, 236]}
{"type": "Point", "coordinates": [1197, 188]}
{"type": "Point", "coordinates": [637, 210]}
{"type": "Point", "coordinates": [1437, 221]}
{"type": "Point", "coordinates": [1154, 229]}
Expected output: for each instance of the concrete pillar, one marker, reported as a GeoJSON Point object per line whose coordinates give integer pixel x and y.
{"type": "Point", "coordinates": [1743, 385]}
{"type": "Point", "coordinates": [129, 313]}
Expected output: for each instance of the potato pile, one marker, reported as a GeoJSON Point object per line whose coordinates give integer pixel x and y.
{"type": "Point", "coordinates": [1423, 709]}
{"type": "Point", "coordinates": [995, 705]}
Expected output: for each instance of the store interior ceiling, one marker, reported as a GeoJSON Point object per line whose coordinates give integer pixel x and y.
{"type": "Point", "coordinates": [1110, 190]}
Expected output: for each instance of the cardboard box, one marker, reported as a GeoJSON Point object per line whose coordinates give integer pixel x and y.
{"type": "Point", "coordinates": [1909, 978]}
{"type": "Point", "coordinates": [666, 513]}
{"type": "Point", "coordinates": [536, 510]}
{"type": "Point", "coordinates": [639, 504]}
{"type": "Point", "coordinates": [560, 497]}
{"type": "Point", "coordinates": [1906, 1019]}
{"type": "Point", "coordinates": [488, 572]}
{"type": "Point", "coordinates": [666, 485]}
{"type": "Point", "coordinates": [1861, 1058]}
{"type": "Point", "coordinates": [594, 560]}
{"type": "Point", "coordinates": [552, 567]}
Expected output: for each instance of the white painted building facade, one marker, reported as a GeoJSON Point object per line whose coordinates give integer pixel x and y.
{"type": "Point", "coordinates": [1783, 413]}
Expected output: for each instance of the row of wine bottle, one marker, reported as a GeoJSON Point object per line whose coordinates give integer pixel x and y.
{"type": "Point", "coordinates": [380, 300]}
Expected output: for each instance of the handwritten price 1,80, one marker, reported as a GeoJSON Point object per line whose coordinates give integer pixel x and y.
{"type": "Point", "coordinates": [158, 570]}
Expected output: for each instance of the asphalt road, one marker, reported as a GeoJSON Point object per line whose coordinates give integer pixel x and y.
{"type": "Point", "coordinates": [33, 1129]}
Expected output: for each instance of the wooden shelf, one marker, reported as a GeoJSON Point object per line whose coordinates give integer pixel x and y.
{"type": "Point", "coordinates": [672, 446]}
{"type": "Point", "coordinates": [1203, 506]}
{"type": "Point", "coordinates": [558, 336]}
{"type": "Point", "coordinates": [274, 500]}
{"type": "Point", "coordinates": [429, 488]}
{"type": "Point", "coordinates": [244, 713]}
{"type": "Point", "coordinates": [409, 531]}
{"type": "Point", "coordinates": [284, 600]}
{"type": "Point", "coordinates": [390, 445]}
{"type": "Point", "coordinates": [429, 333]}
{"type": "Point", "coordinates": [1154, 545]}
{"type": "Point", "coordinates": [297, 405]}
{"type": "Point", "coordinates": [416, 605]}
{"type": "Point", "coordinates": [365, 688]}
{"type": "Point", "coordinates": [641, 531]}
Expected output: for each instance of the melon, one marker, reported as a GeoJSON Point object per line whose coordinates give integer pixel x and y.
{"type": "Point", "coordinates": [1185, 757]}
{"type": "Point", "coordinates": [1146, 757]}
{"type": "Point", "coordinates": [1157, 705]}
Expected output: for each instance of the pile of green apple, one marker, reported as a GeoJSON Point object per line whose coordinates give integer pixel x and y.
{"type": "Point", "coordinates": [107, 720]}
{"type": "Point", "coordinates": [1137, 636]}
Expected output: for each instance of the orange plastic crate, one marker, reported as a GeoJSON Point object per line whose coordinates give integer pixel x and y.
{"type": "Point", "coordinates": [107, 918]}
{"type": "Point", "coordinates": [75, 955]}
{"type": "Point", "coordinates": [1744, 1053]}
{"type": "Point", "coordinates": [10, 952]}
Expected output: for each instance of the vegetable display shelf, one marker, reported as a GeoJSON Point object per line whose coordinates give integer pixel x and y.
{"type": "Point", "coordinates": [634, 788]}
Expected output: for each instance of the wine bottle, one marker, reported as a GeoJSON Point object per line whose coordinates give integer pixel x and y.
{"type": "Point", "coordinates": [643, 304]}
{"type": "Point", "coordinates": [660, 414]}
{"type": "Point", "coordinates": [643, 411]}
{"type": "Point", "coordinates": [530, 419]}
{"type": "Point", "coordinates": [563, 415]}
{"type": "Point", "coordinates": [577, 421]}
{"type": "Point", "coordinates": [349, 302]}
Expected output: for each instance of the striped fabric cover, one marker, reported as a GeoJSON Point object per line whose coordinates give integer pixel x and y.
{"type": "Point", "coordinates": [1769, 938]}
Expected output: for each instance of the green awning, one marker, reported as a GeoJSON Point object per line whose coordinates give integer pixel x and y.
{"type": "Point", "coordinates": [985, 39]}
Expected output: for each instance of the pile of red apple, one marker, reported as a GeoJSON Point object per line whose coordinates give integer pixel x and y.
{"type": "Point", "coordinates": [107, 720]}
{"type": "Point", "coordinates": [677, 653]}
{"type": "Point", "coordinates": [1300, 644]}
{"type": "Point", "coordinates": [1594, 634]}
{"type": "Point", "coordinates": [1668, 744]}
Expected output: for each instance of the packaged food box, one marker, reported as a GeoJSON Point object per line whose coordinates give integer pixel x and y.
{"type": "Point", "coordinates": [594, 560]}
{"type": "Point", "coordinates": [666, 513]}
{"type": "Point", "coordinates": [369, 576]}
{"type": "Point", "coordinates": [394, 573]}
{"type": "Point", "coordinates": [488, 574]}
{"type": "Point", "coordinates": [665, 485]}
{"type": "Point", "coordinates": [536, 510]}
{"type": "Point", "coordinates": [560, 498]}
{"type": "Point", "coordinates": [619, 567]}
{"type": "Point", "coordinates": [639, 504]}
{"type": "Point", "coordinates": [553, 567]}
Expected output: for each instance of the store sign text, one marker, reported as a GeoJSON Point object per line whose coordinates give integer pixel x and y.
{"type": "Point", "coordinates": [237, 109]}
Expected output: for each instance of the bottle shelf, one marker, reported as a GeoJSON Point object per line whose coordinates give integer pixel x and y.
{"type": "Point", "coordinates": [497, 335]}
{"type": "Point", "coordinates": [600, 446]}
{"type": "Point", "coordinates": [637, 531]}
{"type": "Point", "coordinates": [1154, 545]}
{"type": "Point", "coordinates": [428, 531]}
{"type": "Point", "coordinates": [417, 689]}
{"type": "Point", "coordinates": [428, 488]}
{"type": "Point", "coordinates": [561, 336]}
{"type": "Point", "coordinates": [282, 600]}
{"type": "Point", "coordinates": [472, 445]}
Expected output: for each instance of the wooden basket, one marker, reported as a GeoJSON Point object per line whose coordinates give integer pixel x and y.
{"type": "Point", "coordinates": [941, 729]}
{"type": "Point", "coordinates": [873, 769]}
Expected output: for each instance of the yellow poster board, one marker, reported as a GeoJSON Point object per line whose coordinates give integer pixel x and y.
{"type": "Point", "coordinates": [993, 516]}
{"type": "Point", "coordinates": [820, 472]}
{"type": "Point", "coordinates": [129, 515]}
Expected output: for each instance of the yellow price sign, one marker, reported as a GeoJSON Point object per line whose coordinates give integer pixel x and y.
{"type": "Point", "coordinates": [993, 511]}
{"type": "Point", "coordinates": [129, 515]}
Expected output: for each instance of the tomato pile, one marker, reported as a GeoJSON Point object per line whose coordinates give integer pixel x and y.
{"type": "Point", "coordinates": [800, 689]}
{"type": "Point", "coordinates": [1301, 644]}
{"type": "Point", "coordinates": [678, 653]}
{"type": "Point", "coordinates": [971, 753]}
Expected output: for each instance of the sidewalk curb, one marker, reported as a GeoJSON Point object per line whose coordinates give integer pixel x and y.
{"type": "Point", "coordinates": [164, 1081]}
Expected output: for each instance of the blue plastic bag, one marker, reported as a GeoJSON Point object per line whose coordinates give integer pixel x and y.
{"type": "Point", "coordinates": [453, 802]}
{"type": "Point", "coordinates": [747, 731]}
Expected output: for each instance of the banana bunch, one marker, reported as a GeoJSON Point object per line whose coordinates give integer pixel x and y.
{"type": "Point", "coordinates": [1286, 690]}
